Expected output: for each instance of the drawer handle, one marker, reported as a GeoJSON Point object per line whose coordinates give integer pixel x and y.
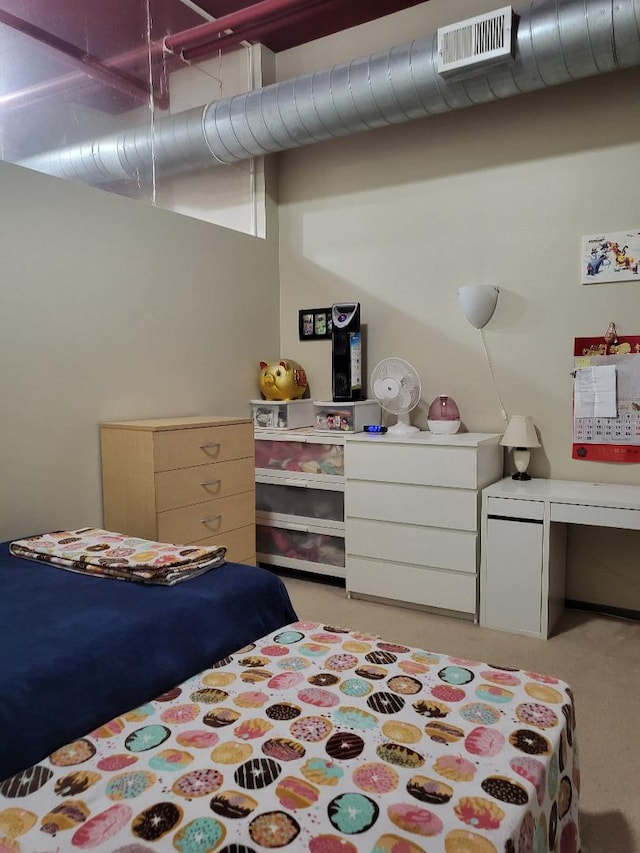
{"type": "Point", "coordinates": [211, 519]}
{"type": "Point", "coordinates": [210, 446]}
{"type": "Point", "coordinates": [210, 483]}
{"type": "Point", "coordinates": [299, 484]}
{"type": "Point", "coordinates": [302, 528]}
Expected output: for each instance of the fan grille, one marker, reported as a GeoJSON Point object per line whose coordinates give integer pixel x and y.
{"type": "Point", "coordinates": [396, 385]}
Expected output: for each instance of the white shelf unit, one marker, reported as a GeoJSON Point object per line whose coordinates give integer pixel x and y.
{"type": "Point", "coordinates": [300, 500]}
{"type": "Point", "coordinates": [412, 507]}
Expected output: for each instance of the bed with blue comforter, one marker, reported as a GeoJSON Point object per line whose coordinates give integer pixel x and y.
{"type": "Point", "coordinates": [76, 650]}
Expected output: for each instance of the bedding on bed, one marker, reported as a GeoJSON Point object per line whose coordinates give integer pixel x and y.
{"type": "Point", "coordinates": [320, 739]}
{"type": "Point", "coordinates": [103, 553]}
{"type": "Point", "coordinates": [76, 651]}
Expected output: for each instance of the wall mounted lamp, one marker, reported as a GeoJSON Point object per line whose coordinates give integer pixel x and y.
{"type": "Point", "coordinates": [520, 435]}
{"type": "Point", "coordinates": [478, 302]}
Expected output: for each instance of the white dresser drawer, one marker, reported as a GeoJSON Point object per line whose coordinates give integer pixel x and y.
{"type": "Point", "coordinates": [186, 486]}
{"type": "Point", "coordinates": [601, 516]}
{"type": "Point", "coordinates": [182, 448]}
{"type": "Point", "coordinates": [515, 508]}
{"type": "Point", "coordinates": [410, 504]}
{"type": "Point", "coordinates": [409, 543]}
{"type": "Point", "coordinates": [412, 584]}
{"type": "Point", "coordinates": [456, 467]}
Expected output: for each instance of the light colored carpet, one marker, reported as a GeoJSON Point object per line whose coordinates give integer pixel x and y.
{"type": "Point", "coordinates": [597, 655]}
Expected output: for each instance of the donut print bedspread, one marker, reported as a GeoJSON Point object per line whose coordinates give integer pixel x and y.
{"type": "Point", "coordinates": [319, 739]}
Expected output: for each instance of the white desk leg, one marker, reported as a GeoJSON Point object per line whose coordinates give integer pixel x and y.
{"type": "Point", "coordinates": [557, 572]}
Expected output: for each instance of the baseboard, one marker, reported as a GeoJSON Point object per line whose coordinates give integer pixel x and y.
{"type": "Point", "coordinates": [300, 574]}
{"type": "Point", "coordinates": [604, 609]}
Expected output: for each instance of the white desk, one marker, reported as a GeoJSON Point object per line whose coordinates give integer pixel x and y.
{"type": "Point", "coordinates": [523, 536]}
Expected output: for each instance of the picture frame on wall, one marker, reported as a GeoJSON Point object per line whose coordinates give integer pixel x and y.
{"type": "Point", "coordinates": [611, 256]}
{"type": "Point", "coordinates": [314, 324]}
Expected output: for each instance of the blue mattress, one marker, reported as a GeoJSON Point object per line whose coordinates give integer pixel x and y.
{"type": "Point", "coordinates": [76, 651]}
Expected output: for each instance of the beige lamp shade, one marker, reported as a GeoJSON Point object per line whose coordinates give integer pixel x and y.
{"type": "Point", "coordinates": [520, 432]}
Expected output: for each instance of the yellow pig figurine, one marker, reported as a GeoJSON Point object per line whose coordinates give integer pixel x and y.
{"type": "Point", "coordinates": [282, 380]}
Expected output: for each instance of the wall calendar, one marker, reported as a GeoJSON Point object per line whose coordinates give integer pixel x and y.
{"type": "Point", "coordinates": [606, 404]}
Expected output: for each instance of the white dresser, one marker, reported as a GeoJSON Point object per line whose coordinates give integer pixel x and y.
{"type": "Point", "coordinates": [412, 507]}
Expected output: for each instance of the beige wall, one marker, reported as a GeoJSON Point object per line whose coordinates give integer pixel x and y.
{"type": "Point", "coordinates": [238, 190]}
{"type": "Point", "coordinates": [112, 309]}
{"type": "Point", "coordinates": [500, 194]}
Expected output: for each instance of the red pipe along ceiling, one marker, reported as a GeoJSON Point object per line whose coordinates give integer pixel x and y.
{"type": "Point", "coordinates": [206, 34]}
{"type": "Point", "coordinates": [199, 42]}
{"type": "Point", "coordinates": [253, 34]}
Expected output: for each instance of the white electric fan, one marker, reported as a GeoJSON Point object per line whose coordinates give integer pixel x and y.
{"type": "Point", "coordinates": [396, 386]}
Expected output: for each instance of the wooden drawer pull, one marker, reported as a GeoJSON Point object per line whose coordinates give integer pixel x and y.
{"type": "Point", "coordinates": [210, 483]}
{"type": "Point", "coordinates": [211, 519]}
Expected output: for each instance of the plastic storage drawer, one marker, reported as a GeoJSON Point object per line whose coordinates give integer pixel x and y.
{"type": "Point", "coordinates": [300, 548]}
{"type": "Point", "coordinates": [277, 500]}
{"type": "Point", "coordinates": [282, 414]}
{"type": "Point", "coordinates": [299, 458]}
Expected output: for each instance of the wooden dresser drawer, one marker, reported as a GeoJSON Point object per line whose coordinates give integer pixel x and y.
{"type": "Point", "coordinates": [455, 467]}
{"type": "Point", "coordinates": [411, 504]}
{"type": "Point", "coordinates": [200, 483]}
{"type": "Point", "coordinates": [183, 448]}
{"type": "Point", "coordinates": [411, 543]}
{"type": "Point", "coordinates": [211, 518]}
{"type": "Point", "coordinates": [240, 544]}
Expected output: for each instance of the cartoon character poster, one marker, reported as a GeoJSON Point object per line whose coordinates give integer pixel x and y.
{"type": "Point", "coordinates": [613, 256]}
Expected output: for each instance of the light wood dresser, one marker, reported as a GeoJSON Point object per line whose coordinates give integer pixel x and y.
{"type": "Point", "coordinates": [182, 480]}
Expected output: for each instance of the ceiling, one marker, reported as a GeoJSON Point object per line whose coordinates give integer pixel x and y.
{"type": "Point", "coordinates": [59, 48]}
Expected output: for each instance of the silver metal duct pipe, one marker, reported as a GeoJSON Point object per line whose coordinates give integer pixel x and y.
{"type": "Point", "coordinates": [557, 41]}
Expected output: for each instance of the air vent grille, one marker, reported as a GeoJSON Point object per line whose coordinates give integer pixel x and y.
{"type": "Point", "coordinates": [476, 43]}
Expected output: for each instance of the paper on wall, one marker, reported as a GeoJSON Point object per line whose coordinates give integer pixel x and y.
{"type": "Point", "coordinates": [595, 392]}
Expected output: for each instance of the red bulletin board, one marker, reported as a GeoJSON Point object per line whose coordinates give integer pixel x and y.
{"type": "Point", "coordinates": [611, 439]}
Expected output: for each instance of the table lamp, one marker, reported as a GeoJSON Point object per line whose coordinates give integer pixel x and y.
{"type": "Point", "coordinates": [520, 435]}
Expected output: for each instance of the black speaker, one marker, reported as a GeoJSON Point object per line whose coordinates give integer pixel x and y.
{"type": "Point", "coordinates": [346, 352]}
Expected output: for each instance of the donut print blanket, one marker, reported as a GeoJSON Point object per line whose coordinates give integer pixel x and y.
{"type": "Point", "coordinates": [319, 739]}
{"type": "Point", "coordinates": [91, 551]}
